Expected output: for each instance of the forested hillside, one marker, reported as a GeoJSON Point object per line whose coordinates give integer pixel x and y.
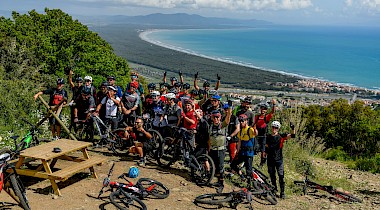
{"type": "Point", "coordinates": [36, 48]}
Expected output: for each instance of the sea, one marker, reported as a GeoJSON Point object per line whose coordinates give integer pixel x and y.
{"type": "Point", "coordinates": [345, 55]}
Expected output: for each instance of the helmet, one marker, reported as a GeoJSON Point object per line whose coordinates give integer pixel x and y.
{"type": "Point", "coordinates": [247, 100]}
{"type": "Point", "coordinates": [177, 84]}
{"type": "Point", "coordinates": [194, 92]}
{"type": "Point", "coordinates": [133, 172]}
{"type": "Point", "coordinates": [79, 79]}
{"type": "Point", "coordinates": [216, 97]}
{"type": "Point", "coordinates": [213, 92]}
{"type": "Point", "coordinates": [226, 106]}
{"type": "Point", "coordinates": [86, 91]}
{"type": "Point", "coordinates": [186, 86]}
{"type": "Point", "coordinates": [242, 117]}
{"type": "Point", "coordinates": [155, 93]}
{"type": "Point", "coordinates": [189, 101]}
{"type": "Point", "coordinates": [60, 81]}
{"type": "Point", "coordinates": [134, 74]}
{"type": "Point", "coordinates": [164, 84]}
{"type": "Point", "coordinates": [170, 95]}
{"type": "Point", "coordinates": [206, 84]}
{"type": "Point", "coordinates": [112, 88]}
{"type": "Point", "coordinates": [151, 86]}
{"type": "Point", "coordinates": [159, 111]}
{"type": "Point", "coordinates": [216, 113]}
{"type": "Point", "coordinates": [104, 84]}
{"type": "Point", "coordinates": [134, 84]}
{"type": "Point", "coordinates": [276, 124]}
{"type": "Point", "coordinates": [173, 79]}
{"type": "Point", "coordinates": [199, 111]}
{"type": "Point", "coordinates": [263, 106]}
{"type": "Point", "coordinates": [88, 78]}
{"type": "Point", "coordinates": [111, 77]}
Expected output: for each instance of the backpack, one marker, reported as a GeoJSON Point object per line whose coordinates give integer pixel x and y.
{"type": "Point", "coordinates": [247, 147]}
{"type": "Point", "coordinates": [261, 132]}
{"type": "Point", "coordinates": [217, 136]}
{"type": "Point", "coordinates": [56, 97]}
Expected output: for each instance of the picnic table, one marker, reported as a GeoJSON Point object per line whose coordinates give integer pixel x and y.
{"type": "Point", "coordinates": [44, 154]}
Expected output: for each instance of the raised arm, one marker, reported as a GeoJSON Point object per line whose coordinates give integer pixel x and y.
{"type": "Point", "coordinates": [72, 85]}
{"type": "Point", "coordinates": [180, 77]}
{"type": "Point", "coordinates": [164, 78]}
{"type": "Point", "coordinates": [218, 82]}
{"type": "Point", "coordinates": [196, 82]}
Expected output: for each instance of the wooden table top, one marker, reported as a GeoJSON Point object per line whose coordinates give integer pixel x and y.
{"type": "Point", "coordinates": [45, 151]}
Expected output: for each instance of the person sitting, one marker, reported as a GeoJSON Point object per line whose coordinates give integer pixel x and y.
{"type": "Point", "coordinates": [141, 137]}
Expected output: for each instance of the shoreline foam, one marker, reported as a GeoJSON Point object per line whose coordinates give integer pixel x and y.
{"type": "Point", "coordinates": [144, 36]}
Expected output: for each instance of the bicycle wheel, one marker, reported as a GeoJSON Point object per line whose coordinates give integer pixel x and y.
{"type": "Point", "coordinates": [266, 192]}
{"type": "Point", "coordinates": [214, 198]}
{"type": "Point", "coordinates": [153, 187]}
{"type": "Point", "coordinates": [202, 169]}
{"type": "Point", "coordinates": [347, 197]}
{"type": "Point", "coordinates": [19, 190]}
{"type": "Point", "coordinates": [154, 145]}
{"type": "Point", "coordinates": [169, 152]}
{"type": "Point", "coordinates": [85, 133]}
{"type": "Point", "coordinates": [118, 134]}
{"type": "Point", "coordinates": [271, 198]}
{"type": "Point", "coordinates": [124, 200]}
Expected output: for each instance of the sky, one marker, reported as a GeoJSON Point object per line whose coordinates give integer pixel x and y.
{"type": "Point", "coordinates": [298, 12]}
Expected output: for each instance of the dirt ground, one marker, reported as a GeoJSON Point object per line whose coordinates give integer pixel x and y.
{"type": "Point", "coordinates": [80, 191]}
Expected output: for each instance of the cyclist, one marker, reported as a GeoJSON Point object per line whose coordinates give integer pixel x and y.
{"type": "Point", "coordinates": [111, 102]}
{"type": "Point", "coordinates": [99, 97]}
{"type": "Point", "coordinates": [154, 105]}
{"type": "Point", "coordinates": [130, 103]}
{"type": "Point", "coordinates": [231, 133]}
{"type": "Point", "coordinates": [172, 110]}
{"type": "Point", "coordinates": [261, 121]}
{"type": "Point", "coordinates": [164, 87]}
{"type": "Point", "coordinates": [215, 104]}
{"type": "Point", "coordinates": [189, 120]}
{"type": "Point", "coordinates": [88, 85]}
{"type": "Point", "coordinates": [201, 136]}
{"type": "Point", "coordinates": [56, 96]}
{"type": "Point", "coordinates": [274, 144]}
{"type": "Point", "coordinates": [245, 108]}
{"type": "Point", "coordinates": [84, 106]}
{"type": "Point", "coordinates": [245, 146]}
{"type": "Point", "coordinates": [139, 91]}
{"type": "Point", "coordinates": [141, 137]}
{"type": "Point", "coordinates": [206, 86]}
{"type": "Point", "coordinates": [76, 89]}
{"type": "Point", "coordinates": [217, 140]}
{"type": "Point", "coordinates": [111, 82]}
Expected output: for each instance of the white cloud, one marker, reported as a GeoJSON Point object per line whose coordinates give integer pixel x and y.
{"type": "Point", "coordinates": [216, 4]}
{"type": "Point", "coordinates": [348, 2]}
{"type": "Point", "coordinates": [366, 4]}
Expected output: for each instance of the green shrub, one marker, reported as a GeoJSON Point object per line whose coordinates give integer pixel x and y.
{"type": "Point", "coordinates": [336, 154]}
{"type": "Point", "coordinates": [368, 164]}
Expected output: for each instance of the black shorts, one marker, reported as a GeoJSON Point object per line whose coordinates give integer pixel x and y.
{"type": "Point", "coordinates": [54, 121]}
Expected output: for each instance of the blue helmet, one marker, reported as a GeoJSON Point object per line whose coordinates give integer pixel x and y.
{"type": "Point", "coordinates": [216, 97]}
{"type": "Point", "coordinates": [133, 172]}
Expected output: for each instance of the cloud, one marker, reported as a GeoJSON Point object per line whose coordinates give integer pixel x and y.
{"type": "Point", "coordinates": [215, 4]}
{"type": "Point", "coordinates": [373, 5]}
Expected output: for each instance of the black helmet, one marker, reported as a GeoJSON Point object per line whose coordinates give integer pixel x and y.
{"type": "Point", "coordinates": [194, 92]}
{"type": "Point", "coordinates": [173, 79]}
{"type": "Point", "coordinates": [164, 84]}
{"type": "Point", "coordinates": [247, 100]}
{"type": "Point", "coordinates": [104, 84]}
{"type": "Point", "coordinates": [177, 84]}
{"type": "Point", "coordinates": [206, 84]}
{"type": "Point", "coordinates": [186, 86]}
{"type": "Point", "coordinates": [151, 86]}
{"type": "Point", "coordinates": [60, 81]}
{"type": "Point", "coordinates": [111, 77]}
{"type": "Point", "coordinates": [263, 105]}
{"type": "Point", "coordinates": [79, 79]}
{"type": "Point", "coordinates": [86, 91]}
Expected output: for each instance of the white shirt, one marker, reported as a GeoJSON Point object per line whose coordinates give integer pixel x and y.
{"type": "Point", "coordinates": [111, 107]}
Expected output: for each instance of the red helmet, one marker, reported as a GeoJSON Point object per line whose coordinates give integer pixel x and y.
{"type": "Point", "coordinates": [134, 84]}
{"type": "Point", "coordinates": [134, 74]}
{"type": "Point", "coordinates": [242, 117]}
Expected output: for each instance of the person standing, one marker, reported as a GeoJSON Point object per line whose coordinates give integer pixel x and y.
{"type": "Point", "coordinates": [56, 96]}
{"type": "Point", "coordinates": [111, 82]}
{"type": "Point", "coordinates": [111, 102]}
{"type": "Point", "coordinates": [275, 160]}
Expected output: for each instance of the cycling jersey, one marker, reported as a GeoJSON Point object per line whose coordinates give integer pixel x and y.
{"type": "Point", "coordinates": [56, 95]}
{"type": "Point", "coordinates": [84, 106]}
{"type": "Point", "coordinates": [111, 107]}
{"type": "Point", "coordinates": [274, 147]}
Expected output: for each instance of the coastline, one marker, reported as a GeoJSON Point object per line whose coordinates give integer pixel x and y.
{"type": "Point", "coordinates": [143, 35]}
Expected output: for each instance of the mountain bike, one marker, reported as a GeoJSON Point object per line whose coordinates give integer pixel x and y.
{"type": "Point", "coordinates": [11, 180]}
{"type": "Point", "coordinates": [309, 186]}
{"type": "Point", "coordinates": [234, 198]}
{"type": "Point", "coordinates": [29, 140]}
{"type": "Point", "coordinates": [261, 185]}
{"type": "Point", "coordinates": [171, 150]}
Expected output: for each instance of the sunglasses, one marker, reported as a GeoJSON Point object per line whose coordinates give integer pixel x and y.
{"type": "Point", "coordinates": [216, 117]}
{"type": "Point", "coordinates": [87, 80]}
{"type": "Point", "coordinates": [110, 79]}
{"type": "Point", "coordinates": [138, 122]}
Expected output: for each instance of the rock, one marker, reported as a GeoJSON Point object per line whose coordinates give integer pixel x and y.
{"type": "Point", "coordinates": [183, 183]}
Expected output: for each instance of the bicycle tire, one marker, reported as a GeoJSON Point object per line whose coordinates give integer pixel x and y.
{"type": "Point", "coordinates": [269, 196]}
{"type": "Point", "coordinates": [119, 133]}
{"type": "Point", "coordinates": [167, 157]}
{"type": "Point", "coordinates": [347, 197]}
{"type": "Point", "coordinates": [19, 190]}
{"type": "Point", "coordinates": [214, 198]}
{"type": "Point", "coordinates": [159, 190]}
{"type": "Point", "coordinates": [204, 177]}
{"type": "Point", "coordinates": [124, 201]}
{"type": "Point", "coordinates": [154, 145]}
{"type": "Point", "coordinates": [266, 192]}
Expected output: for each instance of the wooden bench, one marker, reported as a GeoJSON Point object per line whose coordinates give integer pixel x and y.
{"type": "Point", "coordinates": [67, 172]}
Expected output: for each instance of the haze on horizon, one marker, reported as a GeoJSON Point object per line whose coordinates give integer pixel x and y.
{"type": "Point", "coordinates": [290, 12]}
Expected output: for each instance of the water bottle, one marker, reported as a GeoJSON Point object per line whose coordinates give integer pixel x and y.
{"type": "Point", "coordinates": [187, 155]}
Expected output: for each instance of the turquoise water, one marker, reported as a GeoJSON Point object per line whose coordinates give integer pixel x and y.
{"type": "Point", "coordinates": [341, 54]}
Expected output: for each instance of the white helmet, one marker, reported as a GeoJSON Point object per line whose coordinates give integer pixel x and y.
{"type": "Point", "coordinates": [155, 93]}
{"type": "Point", "coordinates": [88, 78]}
{"type": "Point", "coordinates": [276, 124]}
{"type": "Point", "coordinates": [170, 95]}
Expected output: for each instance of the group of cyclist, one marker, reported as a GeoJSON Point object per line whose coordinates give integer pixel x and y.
{"type": "Point", "coordinates": [214, 126]}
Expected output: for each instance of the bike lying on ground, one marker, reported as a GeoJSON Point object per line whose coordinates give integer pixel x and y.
{"type": "Point", "coordinates": [127, 194]}
{"type": "Point", "coordinates": [11, 180]}
{"type": "Point", "coordinates": [178, 148]}
{"type": "Point", "coordinates": [307, 184]}
{"type": "Point", "coordinates": [242, 196]}
{"type": "Point", "coordinates": [261, 186]}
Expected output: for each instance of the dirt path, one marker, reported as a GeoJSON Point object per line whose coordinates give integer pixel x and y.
{"type": "Point", "coordinates": [80, 191]}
